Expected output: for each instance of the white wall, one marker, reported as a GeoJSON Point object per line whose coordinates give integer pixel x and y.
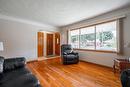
{"type": "Point", "coordinates": [20, 39]}
{"type": "Point", "coordinates": [99, 57]}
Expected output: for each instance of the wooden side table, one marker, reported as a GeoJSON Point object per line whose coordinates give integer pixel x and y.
{"type": "Point", "coordinates": [121, 64]}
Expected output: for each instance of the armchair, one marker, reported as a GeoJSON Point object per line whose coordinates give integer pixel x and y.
{"type": "Point", "coordinates": [125, 78]}
{"type": "Point", "coordinates": [68, 55]}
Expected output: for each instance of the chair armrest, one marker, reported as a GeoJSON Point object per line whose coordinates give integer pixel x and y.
{"type": "Point", "coordinates": [76, 53]}
{"type": "Point", "coordinates": [64, 53]}
{"type": "Point", "coordinates": [13, 63]}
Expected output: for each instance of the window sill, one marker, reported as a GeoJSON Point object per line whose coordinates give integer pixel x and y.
{"type": "Point", "coordinates": [103, 51]}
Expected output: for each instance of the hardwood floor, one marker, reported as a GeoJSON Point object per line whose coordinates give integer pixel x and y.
{"type": "Point", "coordinates": [52, 73]}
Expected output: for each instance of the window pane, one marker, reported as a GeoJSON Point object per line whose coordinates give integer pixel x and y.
{"type": "Point", "coordinates": [87, 38]}
{"type": "Point", "coordinates": [106, 36]}
{"type": "Point", "coordinates": [74, 38]}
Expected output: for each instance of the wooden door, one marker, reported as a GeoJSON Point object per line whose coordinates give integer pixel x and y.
{"type": "Point", "coordinates": [57, 44]}
{"type": "Point", "coordinates": [49, 44]}
{"type": "Point", "coordinates": [40, 44]}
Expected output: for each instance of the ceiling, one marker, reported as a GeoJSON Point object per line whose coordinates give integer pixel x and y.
{"type": "Point", "coordinates": [58, 12]}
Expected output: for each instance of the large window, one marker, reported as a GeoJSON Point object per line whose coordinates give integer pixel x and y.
{"type": "Point", "coordinates": [98, 37]}
{"type": "Point", "coordinates": [106, 36]}
{"type": "Point", "coordinates": [87, 38]}
{"type": "Point", "coordinates": [74, 38]}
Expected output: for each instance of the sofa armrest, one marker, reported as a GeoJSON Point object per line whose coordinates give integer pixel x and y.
{"type": "Point", "coordinates": [14, 63]}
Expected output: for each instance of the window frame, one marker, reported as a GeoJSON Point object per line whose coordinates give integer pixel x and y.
{"type": "Point", "coordinates": [95, 50]}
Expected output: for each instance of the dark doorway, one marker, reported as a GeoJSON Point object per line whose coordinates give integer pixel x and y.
{"type": "Point", "coordinates": [49, 44]}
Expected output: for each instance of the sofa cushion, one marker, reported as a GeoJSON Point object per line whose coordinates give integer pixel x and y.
{"type": "Point", "coordinates": [1, 64]}
{"type": "Point", "coordinates": [26, 80]}
{"type": "Point", "coordinates": [14, 63]}
{"type": "Point", "coordinates": [14, 74]}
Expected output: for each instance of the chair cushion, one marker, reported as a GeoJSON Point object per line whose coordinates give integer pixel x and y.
{"type": "Point", "coordinates": [68, 51]}
{"type": "Point", "coordinates": [1, 64]}
{"type": "Point", "coordinates": [70, 57]}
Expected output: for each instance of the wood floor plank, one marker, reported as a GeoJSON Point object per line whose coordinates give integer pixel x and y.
{"type": "Point", "coordinates": [51, 73]}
